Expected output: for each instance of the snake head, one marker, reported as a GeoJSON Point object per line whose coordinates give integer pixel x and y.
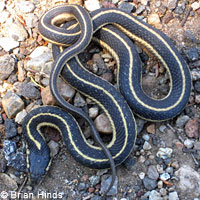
{"type": "Point", "coordinates": [39, 163]}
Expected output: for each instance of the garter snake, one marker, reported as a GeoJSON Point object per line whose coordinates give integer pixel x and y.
{"type": "Point", "coordinates": [115, 39]}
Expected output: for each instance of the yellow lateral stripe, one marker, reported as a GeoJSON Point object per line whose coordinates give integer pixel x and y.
{"type": "Point", "coordinates": [165, 43]}
{"type": "Point", "coordinates": [75, 46]}
{"type": "Point", "coordinates": [47, 124]}
{"type": "Point", "coordinates": [154, 52]}
{"type": "Point", "coordinates": [37, 144]}
{"type": "Point", "coordinates": [70, 136]}
{"type": "Point", "coordinates": [160, 58]}
{"type": "Point", "coordinates": [131, 59]}
{"type": "Point", "coordinates": [114, 101]}
{"type": "Point", "coordinates": [59, 33]}
{"type": "Point", "coordinates": [54, 42]}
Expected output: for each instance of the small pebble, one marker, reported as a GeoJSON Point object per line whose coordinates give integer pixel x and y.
{"type": "Point", "coordinates": [8, 44]}
{"type": "Point", "coordinates": [38, 59]}
{"type": "Point", "coordinates": [170, 170]}
{"type": "Point", "coordinates": [108, 76]}
{"type": "Point", "coordinates": [197, 99]}
{"type": "Point", "coordinates": [157, 4]}
{"type": "Point", "coordinates": [141, 175]}
{"type": "Point", "coordinates": [140, 9]}
{"type": "Point", "coordinates": [17, 32]}
{"type": "Point", "coordinates": [195, 5]}
{"type": "Point", "coordinates": [173, 196]}
{"type": "Point", "coordinates": [91, 190]}
{"type": "Point", "coordinates": [163, 191]}
{"type": "Point", "coordinates": [94, 180]}
{"type": "Point", "coordinates": [197, 86]}
{"type": "Point", "coordinates": [27, 90]}
{"type": "Point", "coordinates": [31, 20]}
{"type": "Point", "coordinates": [102, 124]}
{"type": "Point", "coordinates": [127, 7]}
{"type": "Point", "coordinates": [26, 6]}
{"type": "Point", "coordinates": [115, 1]}
{"type": "Point", "coordinates": [146, 146]}
{"type": "Point", "coordinates": [7, 66]}
{"type": "Point", "coordinates": [65, 89]}
{"type": "Point", "coordinates": [172, 4]}
{"type": "Point", "coordinates": [77, 2]}
{"type": "Point", "coordinates": [164, 153]}
{"type": "Point", "coordinates": [152, 172]}
{"type": "Point", "coordinates": [160, 169]}
{"type": "Point", "coordinates": [144, 2]}
{"type": "Point", "coordinates": [192, 128]}
{"type": "Point", "coordinates": [141, 159]}
{"type": "Point", "coordinates": [87, 132]}
{"type": "Point", "coordinates": [47, 97]}
{"type": "Point", "coordinates": [146, 137]}
{"type": "Point", "coordinates": [154, 20]}
{"type": "Point", "coordinates": [12, 104]}
{"type": "Point", "coordinates": [20, 116]}
{"type": "Point", "coordinates": [92, 5]}
{"type": "Point", "coordinates": [29, 188]}
{"type": "Point", "coordinates": [154, 195]}
{"type": "Point", "coordinates": [106, 56]}
{"type": "Point", "coordinates": [197, 145]}
{"type": "Point", "coordinates": [81, 186]}
{"type": "Point", "coordinates": [9, 148]}
{"type": "Point", "coordinates": [160, 184]}
{"type": "Point", "coordinates": [179, 10]}
{"type": "Point", "coordinates": [182, 120]}
{"type": "Point", "coordinates": [105, 184]}
{"type": "Point", "coordinates": [101, 172]}
{"type": "Point", "coordinates": [149, 184]}
{"type": "Point", "coordinates": [192, 54]}
{"type": "Point", "coordinates": [151, 129]}
{"type": "Point", "coordinates": [54, 147]}
{"type": "Point", "coordinates": [93, 112]}
{"type": "Point", "coordinates": [10, 128]}
{"type": "Point", "coordinates": [21, 72]}
{"type": "Point", "coordinates": [164, 176]}
{"type": "Point", "coordinates": [17, 161]}
{"type": "Point", "coordinates": [195, 74]}
{"type": "Point", "coordinates": [79, 101]}
{"type": "Point", "coordinates": [175, 164]}
{"type": "Point", "coordinates": [99, 66]}
{"type": "Point", "coordinates": [162, 128]}
{"type": "Point", "coordinates": [189, 143]}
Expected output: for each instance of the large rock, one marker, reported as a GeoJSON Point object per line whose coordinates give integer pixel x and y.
{"type": "Point", "coordinates": [12, 104]}
{"type": "Point", "coordinates": [7, 66]}
{"type": "Point", "coordinates": [189, 180]}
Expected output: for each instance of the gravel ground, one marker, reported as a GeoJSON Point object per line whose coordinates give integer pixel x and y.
{"type": "Point", "coordinates": [165, 163]}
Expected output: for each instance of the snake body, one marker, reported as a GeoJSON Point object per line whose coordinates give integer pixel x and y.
{"type": "Point", "coordinates": [115, 40]}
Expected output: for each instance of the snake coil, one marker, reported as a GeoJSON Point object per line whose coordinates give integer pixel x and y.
{"type": "Point", "coordinates": [112, 29]}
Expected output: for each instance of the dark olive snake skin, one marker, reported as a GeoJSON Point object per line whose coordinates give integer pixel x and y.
{"type": "Point", "coordinates": [115, 38]}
